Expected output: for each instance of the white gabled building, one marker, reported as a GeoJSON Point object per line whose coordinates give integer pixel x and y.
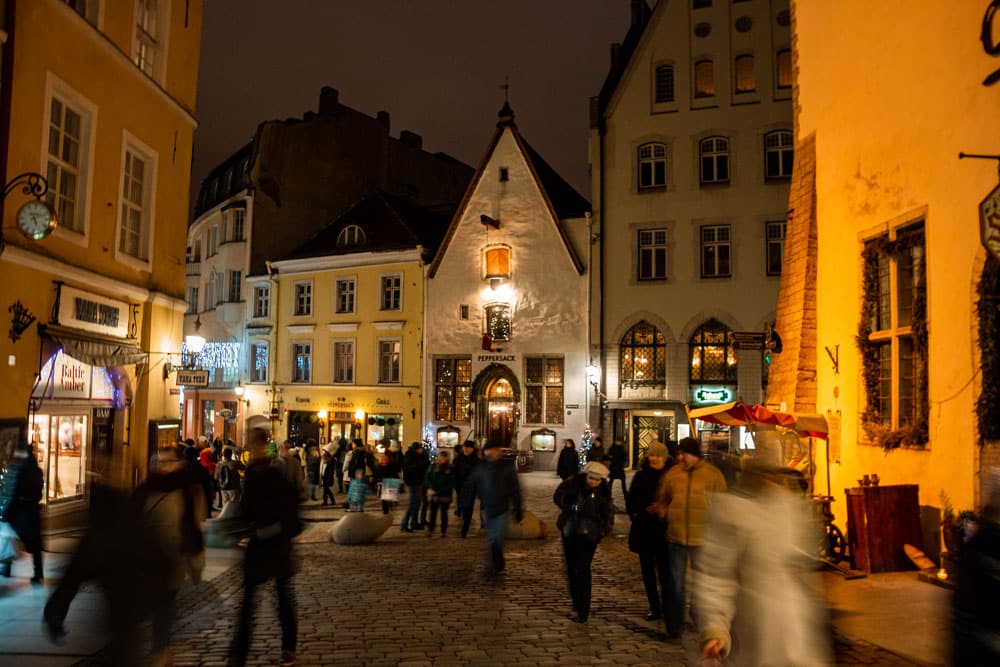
{"type": "Point", "coordinates": [506, 316]}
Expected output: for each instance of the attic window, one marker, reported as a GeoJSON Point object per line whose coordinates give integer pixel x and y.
{"type": "Point", "coordinates": [351, 236]}
{"type": "Point", "coordinates": [496, 262]}
{"type": "Point", "coordinates": [504, 175]}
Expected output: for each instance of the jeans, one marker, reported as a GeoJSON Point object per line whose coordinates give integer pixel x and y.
{"type": "Point", "coordinates": [579, 557]}
{"type": "Point", "coordinates": [494, 540]}
{"type": "Point", "coordinates": [677, 557]}
{"type": "Point", "coordinates": [410, 516]}
{"type": "Point", "coordinates": [328, 493]}
{"type": "Point", "coordinates": [656, 564]}
{"type": "Point", "coordinates": [443, 507]}
{"type": "Point", "coordinates": [286, 615]}
{"type": "Point", "coordinates": [312, 491]}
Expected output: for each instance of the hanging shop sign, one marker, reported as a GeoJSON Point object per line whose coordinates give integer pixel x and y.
{"type": "Point", "coordinates": [712, 394]}
{"type": "Point", "coordinates": [192, 378]}
{"type": "Point", "coordinates": [989, 222]}
{"type": "Point", "coordinates": [92, 312]}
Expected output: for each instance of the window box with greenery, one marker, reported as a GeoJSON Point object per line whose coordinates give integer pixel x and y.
{"type": "Point", "coordinates": [892, 339]}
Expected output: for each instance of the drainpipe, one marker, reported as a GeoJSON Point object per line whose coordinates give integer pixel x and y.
{"type": "Point", "coordinates": [601, 131]}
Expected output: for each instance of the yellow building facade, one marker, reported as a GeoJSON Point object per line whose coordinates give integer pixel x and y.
{"type": "Point", "coordinates": [98, 98]}
{"type": "Point", "coordinates": [879, 315]}
{"type": "Point", "coordinates": [345, 353]}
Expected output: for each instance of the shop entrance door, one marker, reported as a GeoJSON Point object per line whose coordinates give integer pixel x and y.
{"type": "Point", "coordinates": [647, 429]}
{"type": "Point", "coordinates": [500, 412]}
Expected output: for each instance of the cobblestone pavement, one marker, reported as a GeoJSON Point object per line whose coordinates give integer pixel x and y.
{"type": "Point", "coordinates": [411, 600]}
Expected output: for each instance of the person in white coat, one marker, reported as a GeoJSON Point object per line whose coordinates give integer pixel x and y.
{"type": "Point", "coordinates": [758, 590]}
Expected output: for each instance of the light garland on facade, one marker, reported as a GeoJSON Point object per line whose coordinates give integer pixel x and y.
{"type": "Point", "coordinates": [217, 354]}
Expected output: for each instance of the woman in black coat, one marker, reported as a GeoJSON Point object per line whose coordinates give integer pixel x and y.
{"type": "Point", "coordinates": [586, 518]}
{"type": "Point", "coordinates": [647, 536]}
{"type": "Point", "coordinates": [22, 491]}
{"type": "Point", "coordinates": [569, 460]}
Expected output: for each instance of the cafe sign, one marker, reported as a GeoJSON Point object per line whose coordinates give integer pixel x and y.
{"type": "Point", "coordinates": [712, 394]}
{"type": "Point", "coordinates": [92, 312]}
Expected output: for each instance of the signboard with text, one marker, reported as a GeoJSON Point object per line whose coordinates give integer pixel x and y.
{"type": "Point", "coordinates": [92, 312]}
{"type": "Point", "coordinates": [188, 378]}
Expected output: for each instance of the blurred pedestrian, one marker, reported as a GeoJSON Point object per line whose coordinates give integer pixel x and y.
{"type": "Point", "coordinates": [414, 469]}
{"type": "Point", "coordinates": [270, 507]}
{"type": "Point", "coordinates": [171, 501]}
{"type": "Point", "coordinates": [338, 457]}
{"type": "Point", "coordinates": [328, 473]}
{"type": "Point", "coordinates": [496, 485]}
{"type": "Point", "coordinates": [585, 518]}
{"type": "Point", "coordinates": [290, 467]}
{"type": "Point", "coordinates": [19, 505]}
{"type": "Point", "coordinates": [683, 499]}
{"type": "Point", "coordinates": [596, 452]}
{"type": "Point", "coordinates": [357, 492]}
{"type": "Point", "coordinates": [191, 456]}
{"type": "Point", "coordinates": [312, 470]}
{"type": "Point", "coordinates": [569, 460]}
{"type": "Point", "coordinates": [647, 534]}
{"type": "Point", "coordinates": [227, 475]}
{"type": "Point", "coordinates": [464, 467]}
{"type": "Point", "coordinates": [758, 595]}
{"type": "Point", "coordinates": [616, 464]}
{"type": "Point", "coordinates": [387, 475]}
{"type": "Point", "coordinates": [439, 484]}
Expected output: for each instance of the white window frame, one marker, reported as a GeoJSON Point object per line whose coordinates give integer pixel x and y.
{"type": "Point", "coordinates": [79, 234]}
{"type": "Point", "coordinates": [239, 218]}
{"type": "Point", "coordinates": [336, 360]}
{"type": "Point", "coordinates": [157, 70]}
{"type": "Point", "coordinates": [382, 291]}
{"type": "Point", "coordinates": [235, 287]}
{"type": "Point", "coordinates": [651, 245]}
{"type": "Point", "coordinates": [306, 377]}
{"type": "Point", "coordinates": [651, 159]}
{"type": "Point", "coordinates": [261, 302]}
{"type": "Point", "coordinates": [132, 144]}
{"type": "Point", "coordinates": [709, 149]}
{"type": "Point", "coordinates": [779, 149]}
{"type": "Point", "coordinates": [395, 340]}
{"type": "Point", "coordinates": [297, 300]}
{"type": "Point", "coordinates": [212, 241]}
{"type": "Point", "coordinates": [354, 295]}
{"type": "Point", "coordinates": [252, 362]}
{"type": "Point", "coordinates": [775, 243]}
{"type": "Point", "coordinates": [716, 243]}
{"type": "Point", "coordinates": [192, 299]}
{"type": "Point", "coordinates": [210, 290]}
{"type": "Point", "coordinates": [351, 236]}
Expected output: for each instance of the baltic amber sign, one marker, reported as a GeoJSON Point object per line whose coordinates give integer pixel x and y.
{"type": "Point", "coordinates": [92, 312]}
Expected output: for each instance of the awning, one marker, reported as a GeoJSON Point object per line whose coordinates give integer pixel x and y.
{"type": "Point", "coordinates": [738, 414]}
{"type": "Point", "coordinates": [91, 349]}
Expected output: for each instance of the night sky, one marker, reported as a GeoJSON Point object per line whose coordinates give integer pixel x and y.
{"type": "Point", "coordinates": [437, 66]}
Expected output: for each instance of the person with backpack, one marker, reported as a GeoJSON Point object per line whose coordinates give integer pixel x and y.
{"type": "Point", "coordinates": [227, 475]}
{"type": "Point", "coordinates": [270, 508]}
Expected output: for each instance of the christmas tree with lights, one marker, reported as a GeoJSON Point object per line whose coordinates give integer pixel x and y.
{"type": "Point", "coordinates": [585, 442]}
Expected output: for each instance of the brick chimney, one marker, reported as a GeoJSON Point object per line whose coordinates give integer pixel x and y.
{"type": "Point", "coordinates": [383, 118]}
{"type": "Point", "coordinates": [329, 100]}
{"type": "Point", "coordinates": [411, 139]}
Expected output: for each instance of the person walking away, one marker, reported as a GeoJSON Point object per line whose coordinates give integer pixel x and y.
{"type": "Point", "coordinates": [464, 467]}
{"type": "Point", "coordinates": [207, 459]}
{"type": "Point", "coordinates": [616, 464]}
{"type": "Point", "coordinates": [569, 460]}
{"type": "Point", "coordinates": [439, 483]}
{"type": "Point", "coordinates": [683, 500]}
{"type": "Point", "coordinates": [327, 474]}
{"type": "Point", "coordinates": [387, 474]}
{"type": "Point", "coordinates": [338, 458]}
{"type": "Point", "coordinates": [357, 492]}
{"type": "Point", "coordinates": [312, 471]}
{"type": "Point", "coordinates": [759, 597]}
{"type": "Point", "coordinates": [647, 534]}
{"type": "Point", "coordinates": [291, 468]}
{"type": "Point", "coordinates": [270, 508]}
{"type": "Point", "coordinates": [597, 452]}
{"type": "Point", "coordinates": [19, 506]}
{"type": "Point", "coordinates": [171, 501]}
{"type": "Point", "coordinates": [415, 466]}
{"type": "Point", "coordinates": [585, 518]}
{"type": "Point", "coordinates": [192, 458]}
{"type": "Point", "coordinates": [495, 483]}
{"type": "Point", "coordinates": [227, 474]}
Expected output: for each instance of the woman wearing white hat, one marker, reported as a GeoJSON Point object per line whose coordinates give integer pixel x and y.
{"type": "Point", "coordinates": [586, 517]}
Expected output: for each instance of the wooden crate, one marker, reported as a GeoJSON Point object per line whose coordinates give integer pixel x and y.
{"type": "Point", "coordinates": [880, 520]}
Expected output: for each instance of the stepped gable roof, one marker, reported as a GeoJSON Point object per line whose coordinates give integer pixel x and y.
{"type": "Point", "coordinates": [562, 200]}
{"type": "Point", "coordinates": [389, 223]}
{"type": "Point", "coordinates": [640, 19]}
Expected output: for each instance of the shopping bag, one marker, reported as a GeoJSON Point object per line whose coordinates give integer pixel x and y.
{"type": "Point", "coordinates": [390, 490]}
{"type": "Point", "coordinates": [10, 546]}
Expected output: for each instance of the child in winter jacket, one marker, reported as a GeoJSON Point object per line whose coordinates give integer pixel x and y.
{"type": "Point", "coordinates": [358, 491]}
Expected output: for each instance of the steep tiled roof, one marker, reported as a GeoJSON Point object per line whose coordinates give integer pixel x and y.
{"type": "Point", "coordinates": [567, 202]}
{"type": "Point", "coordinates": [640, 19]}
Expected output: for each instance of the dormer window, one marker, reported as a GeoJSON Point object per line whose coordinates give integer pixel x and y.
{"type": "Point", "coordinates": [351, 236]}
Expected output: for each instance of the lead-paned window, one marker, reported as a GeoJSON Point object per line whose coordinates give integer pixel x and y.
{"type": "Point", "coordinates": [713, 355]}
{"type": "Point", "coordinates": [498, 324]}
{"type": "Point", "coordinates": [543, 383]}
{"type": "Point", "coordinates": [642, 356]}
{"type": "Point", "coordinates": [452, 388]}
{"type": "Point", "coordinates": [664, 84]}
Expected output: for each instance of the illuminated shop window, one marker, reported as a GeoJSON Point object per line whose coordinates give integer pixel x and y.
{"type": "Point", "coordinates": [452, 388]}
{"type": "Point", "coordinates": [642, 356]}
{"type": "Point", "coordinates": [498, 324]}
{"type": "Point", "coordinates": [543, 390]}
{"type": "Point", "coordinates": [713, 356]}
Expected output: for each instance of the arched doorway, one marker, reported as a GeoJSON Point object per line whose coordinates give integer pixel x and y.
{"type": "Point", "coordinates": [497, 396]}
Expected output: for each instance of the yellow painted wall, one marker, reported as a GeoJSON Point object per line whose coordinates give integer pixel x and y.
{"type": "Point", "coordinates": [892, 100]}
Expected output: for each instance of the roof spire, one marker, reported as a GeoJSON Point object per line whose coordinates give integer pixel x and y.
{"type": "Point", "coordinates": [506, 114]}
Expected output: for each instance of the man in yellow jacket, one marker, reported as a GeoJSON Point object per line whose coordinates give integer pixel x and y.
{"type": "Point", "coordinates": [683, 500]}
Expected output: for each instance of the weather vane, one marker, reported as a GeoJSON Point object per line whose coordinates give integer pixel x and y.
{"type": "Point", "coordinates": [506, 88]}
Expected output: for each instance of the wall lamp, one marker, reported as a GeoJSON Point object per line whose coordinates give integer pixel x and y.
{"type": "Point", "coordinates": [593, 376]}
{"type": "Point", "coordinates": [193, 345]}
{"type": "Point", "coordinates": [239, 390]}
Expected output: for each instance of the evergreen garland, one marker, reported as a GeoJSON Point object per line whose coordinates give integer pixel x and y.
{"type": "Point", "coordinates": [988, 310]}
{"type": "Point", "coordinates": [916, 433]}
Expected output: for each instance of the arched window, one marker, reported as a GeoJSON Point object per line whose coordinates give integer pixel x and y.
{"type": "Point", "coordinates": [713, 356]}
{"type": "Point", "coordinates": [642, 356]}
{"type": "Point", "coordinates": [351, 236]}
{"type": "Point", "coordinates": [704, 79]}
{"type": "Point", "coordinates": [652, 166]}
{"type": "Point", "coordinates": [714, 154]}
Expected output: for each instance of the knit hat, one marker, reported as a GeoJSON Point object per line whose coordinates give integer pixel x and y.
{"type": "Point", "coordinates": [690, 446]}
{"type": "Point", "coordinates": [657, 449]}
{"type": "Point", "coordinates": [595, 469]}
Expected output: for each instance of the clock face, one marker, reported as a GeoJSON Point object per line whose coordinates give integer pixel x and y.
{"type": "Point", "coordinates": [36, 220]}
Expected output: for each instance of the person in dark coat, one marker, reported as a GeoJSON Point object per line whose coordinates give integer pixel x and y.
{"type": "Point", "coordinates": [585, 519]}
{"type": "Point", "coordinates": [569, 460]}
{"type": "Point", "coordinates": [647, 535]}
{"type": "Point", "coordinates": [465, 465]}
{"type": "Point", "coordinates": [270, 508]}
{"type": "Point", "coordinates": [19, 506]}
{"type": "Point", "coordinates": [338, 457]}
{"type": "Point", "coordinates": [387, 468]}
{"type": "Point", "coordinates": [496, 485]}
{"type": "Point", "coordinates": [616, 464]}
{"type": "Point", "coordinates": [597, 453]}
{"type": "Point", "coordinates": [192, 457]}
{"type": "Point", "coordinates": [312, 469]}
{"type": "Point", "coordinates": [328, 474]}
{"type": "Point", "coordinates": [415, 465]}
